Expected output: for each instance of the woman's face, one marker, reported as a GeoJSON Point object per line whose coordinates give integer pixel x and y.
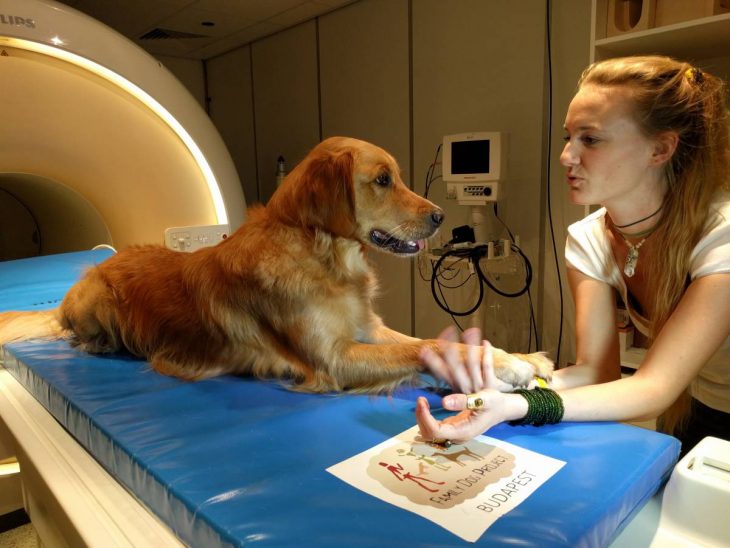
{"type": "Point", "coordinates": [608, 158]}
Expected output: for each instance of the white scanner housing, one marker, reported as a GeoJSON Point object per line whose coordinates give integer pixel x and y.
{"type": "Point", "coordinates": [99, 143]}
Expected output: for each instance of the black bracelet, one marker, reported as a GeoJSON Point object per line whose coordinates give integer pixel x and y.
{"type": "Point", "coordinates": [544, 406]}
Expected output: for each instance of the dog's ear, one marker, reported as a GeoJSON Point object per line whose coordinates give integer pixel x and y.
{"type": "Point", "coordinates": [319, 193]}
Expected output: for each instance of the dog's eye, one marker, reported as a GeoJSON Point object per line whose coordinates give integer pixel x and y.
{"type": "Point", "coordinates": [383, 179]}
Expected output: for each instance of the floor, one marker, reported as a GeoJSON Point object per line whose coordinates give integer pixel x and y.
{"type": "Point", "coordinates": [19, 537]}
{"type": "Point", "coordinates": [16, 531]}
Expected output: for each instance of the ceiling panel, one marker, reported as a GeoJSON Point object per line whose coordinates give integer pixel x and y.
{"type": "Point", "coordinates": [234, 22]}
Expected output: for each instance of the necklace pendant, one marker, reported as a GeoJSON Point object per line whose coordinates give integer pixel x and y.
{"type": "Point", "coordinates": [631, 258]}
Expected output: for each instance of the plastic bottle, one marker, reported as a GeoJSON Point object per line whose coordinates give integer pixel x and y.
{"type": "Point", "coordinates": [280, 170]}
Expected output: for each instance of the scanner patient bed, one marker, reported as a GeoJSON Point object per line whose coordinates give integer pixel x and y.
{"type": "Point", "coordinates": [233, 461]}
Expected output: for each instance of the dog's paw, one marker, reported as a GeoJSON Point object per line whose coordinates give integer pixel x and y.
{"type": "Point", "coordinates": [512, 369]}
{"type": "Point", "coordinates": [542, 365]}
{"type": "Point", "coordinates": [520, 370]}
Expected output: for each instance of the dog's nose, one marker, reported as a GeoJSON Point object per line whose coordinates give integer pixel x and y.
{"type": "Point", "coordinates": [437, 217]}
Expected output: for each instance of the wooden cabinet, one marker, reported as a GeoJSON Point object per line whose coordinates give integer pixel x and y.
{"type": "Point", "coordinates": [693, 40]}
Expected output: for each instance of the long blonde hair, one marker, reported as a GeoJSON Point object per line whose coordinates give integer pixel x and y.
{"type": "Point", "coordinates": [671, 95]}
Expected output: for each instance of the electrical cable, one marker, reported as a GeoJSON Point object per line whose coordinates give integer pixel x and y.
{"type": "Point", "coordinates": [548, 39]}
{"type": "Point", "coordinates": [475, 255]}
{"type": "Point", "coordinates": [453, 317]}
{"type": "Point", "coordinates": [519, 292]}
{"type": "Point", "coordinates": [429, 172]}
{"type": "Point", "coordinates": [434, 280]}
{"type": "Point", "coordinates": [458, 285]}
{"type": "Point", "coordinates": [533, 321]}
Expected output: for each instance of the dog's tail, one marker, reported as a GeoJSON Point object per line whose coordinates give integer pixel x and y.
{"type": "Point", "coordinates": [20, 326]}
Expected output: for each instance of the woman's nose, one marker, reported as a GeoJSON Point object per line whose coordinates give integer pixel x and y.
{"type": "Point", "coordinates": [568, 156]}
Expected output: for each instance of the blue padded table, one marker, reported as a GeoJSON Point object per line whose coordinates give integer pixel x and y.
{"type": "Point", "coordinates": [40, 283]}
{"type": "Point", "coordinates": [234, 461]}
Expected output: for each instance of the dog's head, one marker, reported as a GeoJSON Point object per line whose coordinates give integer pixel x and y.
{"type": "Point", "coordinates": [353, 189]}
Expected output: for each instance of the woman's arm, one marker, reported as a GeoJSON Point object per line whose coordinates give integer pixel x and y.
{"type": "Point", "coordinates": [597, 351]}
{"type": "Point", "coordinates": [693, 333]}
{"type": "Point", "coordinates": [696, 329]}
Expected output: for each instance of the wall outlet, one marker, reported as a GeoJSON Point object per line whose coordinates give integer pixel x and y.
{"type": "Point", "coordinates": [506, 248]}
{"type": "Point", "coordinates": [192, 238]}
{"type": "Point", "coordinates": [501, 265]}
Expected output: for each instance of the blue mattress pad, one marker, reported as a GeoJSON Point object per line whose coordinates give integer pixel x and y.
{"type": "Point", "coordinates": [235, 461]}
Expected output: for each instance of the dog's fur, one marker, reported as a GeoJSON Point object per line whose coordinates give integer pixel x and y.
{"type": "Point", "coordinates": [288, 295]}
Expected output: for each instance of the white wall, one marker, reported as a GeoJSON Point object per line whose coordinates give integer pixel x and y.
{"type": "Point", "coordinates": [364, 79]}
{"type": "Point", "coordinates": [285, 99]}
{"type": "Point", "coordinates": [230, 104]}
{"type": "Point", "coordinates": [479, 66]}
{"type": "Point", "coordinates": [189, 72]}
{"type": "Point", "coordinates": [403, 74]}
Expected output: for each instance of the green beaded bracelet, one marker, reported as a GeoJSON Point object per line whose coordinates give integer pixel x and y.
{"type": "Point", "coordinates": [544, 406]}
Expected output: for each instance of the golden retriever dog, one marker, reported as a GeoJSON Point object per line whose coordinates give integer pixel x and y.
{"type": "Point", "coordinates": [288, 295]}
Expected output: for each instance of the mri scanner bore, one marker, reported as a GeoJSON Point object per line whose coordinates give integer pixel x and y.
{"type": "Point", "coordinates": [99, 143]}
{"type": "Point", "coordinates": [25, 241]}
{"type": "Point", "coordinates": [39, 216]}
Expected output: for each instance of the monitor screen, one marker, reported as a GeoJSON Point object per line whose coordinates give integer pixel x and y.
{"type": "Point", "coordinates": [470, 157]}
{"type": "Point", "coordinates": [473, 157]}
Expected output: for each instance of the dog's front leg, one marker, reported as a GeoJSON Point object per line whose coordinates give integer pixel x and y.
{"type": "Point", "coordinates": [378, 367]}
{"type": "Point", "coordinates": [384, 366]}
{"type": "Point", "coordinates": [382, 334]}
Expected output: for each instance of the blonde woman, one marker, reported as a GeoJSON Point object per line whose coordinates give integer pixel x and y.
{"type": "Point", "coordinates": [646, 139]}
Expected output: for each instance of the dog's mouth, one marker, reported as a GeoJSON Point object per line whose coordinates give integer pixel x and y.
{"type": "Point", "coordinates": [388, 242]}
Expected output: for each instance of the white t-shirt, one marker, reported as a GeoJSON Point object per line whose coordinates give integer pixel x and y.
{"type": "Point", "coordinates": [588, 250]}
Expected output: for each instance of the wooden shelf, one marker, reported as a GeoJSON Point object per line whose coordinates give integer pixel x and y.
{"type": "Point", "coordinates": [703, 38]}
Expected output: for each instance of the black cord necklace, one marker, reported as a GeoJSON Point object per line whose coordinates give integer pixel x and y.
{"type": "Point", "coordinates": [640, 220]}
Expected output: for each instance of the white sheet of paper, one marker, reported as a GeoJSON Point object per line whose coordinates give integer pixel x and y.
{"type": "Point", "coordinates": [464, 489]}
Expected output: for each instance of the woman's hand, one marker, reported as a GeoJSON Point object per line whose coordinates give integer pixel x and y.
{"type": "Point", "coordinates": [465, 425]}
{"type": "Point", "coordinates": [471, 373]}
{"type": "Point", "coordinates": [467, 368]}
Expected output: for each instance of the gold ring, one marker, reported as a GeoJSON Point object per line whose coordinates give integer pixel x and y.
{"type": "Point", "coordinates": [442, 442]}
{"type": "Point", "coordinates": [474, 401]}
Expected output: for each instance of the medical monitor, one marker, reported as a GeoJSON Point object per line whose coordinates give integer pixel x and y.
{"type": "Point", "coordinates": [473, 157]}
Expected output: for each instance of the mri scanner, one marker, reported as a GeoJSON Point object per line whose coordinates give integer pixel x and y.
{"type": "Point", "coordinates": [99, 143]}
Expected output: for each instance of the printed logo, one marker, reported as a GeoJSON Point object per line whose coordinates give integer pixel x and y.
{"type": "Point", "coordinates": [464, 488]}
{"type": "Point", "coordinates": [17, 21]}
{"type": "Point", "coordinates": [439, 477]}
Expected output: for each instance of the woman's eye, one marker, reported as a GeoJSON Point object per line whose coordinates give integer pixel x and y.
{"type": "Point", "coordinates": [587, 140]}
{"type": "Point", "coordinates": [383, 179]}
